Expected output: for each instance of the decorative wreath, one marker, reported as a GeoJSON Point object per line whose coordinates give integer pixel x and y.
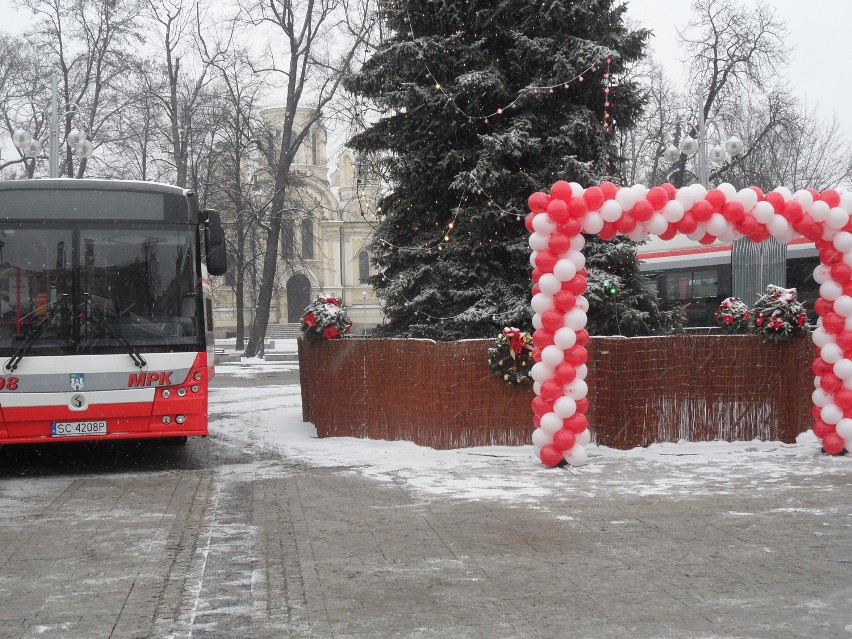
{"type": "Point", "coordinates": [733, 315]}
{"type": "Point", "coordinates": [325, 318]}
{"type": "Point", "coordinates": [511, 356]}
{"type": "Point", "coordinates": [778, 315]}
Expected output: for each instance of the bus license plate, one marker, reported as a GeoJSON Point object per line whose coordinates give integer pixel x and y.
{"type": "Point", "coordinates": [77, 429]}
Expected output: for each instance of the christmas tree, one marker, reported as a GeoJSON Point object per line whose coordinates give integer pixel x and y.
{"type": "Point", "coordinates": [484, 103]}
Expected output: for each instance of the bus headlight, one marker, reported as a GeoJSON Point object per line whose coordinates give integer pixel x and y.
{"type": "Point", "coordinates": [167, 419]}
{"type": "Point", "coordinates": [194, 388]}
{"type": "Point", "coordinates": [180, 419]}
{"type": "Point", "coordinates": [181, 391]}
{"type": "Point", "coordinates": [167, 393]}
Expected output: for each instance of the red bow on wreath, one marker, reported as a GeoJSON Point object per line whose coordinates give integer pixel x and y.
{"type": "Point", "coordinates": [515, 339]}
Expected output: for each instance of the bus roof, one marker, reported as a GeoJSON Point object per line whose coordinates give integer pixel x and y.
{"type": "Point", "coordinates": [94, 185]}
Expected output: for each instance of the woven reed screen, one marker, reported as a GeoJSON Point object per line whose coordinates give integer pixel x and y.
{"type": "Point", "coordinates": [641, 390]}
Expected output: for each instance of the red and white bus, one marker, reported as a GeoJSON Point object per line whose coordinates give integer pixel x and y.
{"type": "Point", "coordinates": [106, 325]}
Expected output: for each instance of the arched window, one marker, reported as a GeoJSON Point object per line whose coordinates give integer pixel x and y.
{"type": "Point", "coordinates": [363, 267]}
{"type": "Point", "coordinates": [314, 153]}
{"type": "Point", "coordinates": [288, 243]}
{"type": "Point", "coordinates": [307, 239]}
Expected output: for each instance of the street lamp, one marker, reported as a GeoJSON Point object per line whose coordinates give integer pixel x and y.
{"type": "Point", "coordinates": [364, 309]}
{"type": "Point", "coordinates": [32, 148]}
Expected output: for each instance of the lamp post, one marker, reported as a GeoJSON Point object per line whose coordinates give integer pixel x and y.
{"type": "Point", "coordinates": [32, 148]}
{"type": "Point", "coordinates": [364, 309]}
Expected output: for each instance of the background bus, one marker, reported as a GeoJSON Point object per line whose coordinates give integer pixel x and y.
{"type": "Point", "coordinates": [106, 325]}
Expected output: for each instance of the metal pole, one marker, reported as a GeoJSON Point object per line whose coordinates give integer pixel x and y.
{"type": "Point", "coordinates": [703, 176]}
{"type": "Point", "coordinates": [53, 146]}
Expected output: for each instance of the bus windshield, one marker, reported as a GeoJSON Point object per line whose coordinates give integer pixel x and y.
{"type": "Point", "coordinates": [86, 287]}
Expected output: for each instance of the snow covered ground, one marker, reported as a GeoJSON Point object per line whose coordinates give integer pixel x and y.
{"type": "Point", "coordinates": [271, 417]}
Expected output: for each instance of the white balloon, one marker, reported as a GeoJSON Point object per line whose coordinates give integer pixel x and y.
{"type": "Point", "coordinates": [537, 388]}
{"type": "Point", "coordinates": [539, 241]}
{"type": "Point", "coordinates": [533, 256]}
{"type": "Point", "coordinates": [541, 438]}
{"type": "Point", "coordinates": [699, 190]}
{"type": "Point", "coordinates": [657, 224]}
{"type": "Point", "coordinates": [564, 270]}
{"type": "Point", "coordinates": [787, 237]}
{"type": "Point", "coordinates": [578, 242]}
{"type": "Point", "coordinates": [820, 398]}
{"type": "Point", "coordinates": [542, 302]}
{"type": "Point", "coordinates": [552, 356]}
{"type": "Point", "coordinates": [837, 218]}
{"type": "Point", "coordinates": [582, 371]}
{"type": "Point", "coordinates": [612, 210]}
{"type": "Point", "coordinates": [843, 306]}
{"type": "Point", "coordinates": [822, 273]}
{"type": "Point", "coordinates": [717, 224]}
{"type": "Point", "coordinates": [549, 284]}
{"type": "Point", "coordinates": [804, 198]}
{"type": "Point", "coordinates": [582, 302]}
{"type": "Point", "coordinates": [729, 190]}
{"type": "Point", "coordinates": [819, 211]}
{"type": "Point", "coordinates": [673, 210]}
{"type": "Point", "coordinates": [831, 353]}
{"type": "Point", "coordinates": [843, 368]}
{"type": "Point", "coordinates": [729, 235]}
{"type": "Point", "coordinates": [592, 222]}
{"type": "Point", "coordinates": [624, 197]}
{"type": "Point", "coordinates": [638, 234]}
{"type": "Point", "coordinates": [640, 190]}
{"type": "Point", "coordinates": [577, 456]}
{"type": "Point", "coordinates": [821, 337]}
{"type": "Point", "coordinates": [844, 428]}
{"type": "Point", "coordinates": [577, 389]}
{"type": "Point", "coordinates": [543, 224]}
{"type": "Point", "coordinates": [831, 414]}
{"type": "Point", "coordinates": [685, 197]}
{"type": "Point", "coordinates": [784, 191]}
{"type": "Point", "coordinates": [847, 324]}
{"type": "Point", "coordinates": [828, 233]}
{"type": "Point", "coordinates": [830, 290]}
{"type": "Point", "coordinates": [564, 338]}
{"type": "Point", "coordinates": [551, 423]}
{"type": "Point", "coordinates": [843, 242]}
{"type": "Point", "coordinates": [565, 407]}
{"type": "Point", "coordinates": [583, 438]}
{"type": "Point", "coordinates": [817, 382]}
{"type": "Point", "coordinates": [541, 372]}
{"type": "Point", "coordinates": [846, 200]}
{"type": "Point", "coordinates": [578, 258]}
{"type": "Point", "coordinates": [698, 233]}
{"type": "Point", "coordinates": [576, 189]}
{"type": "Point", "coordinates": [778, 225]}
{"type": "Point", "coordinates": [536, 321]}
{"type": "Point", "coordinates": [576, 319]}
{"type": "Point", "coordinates": [763, 212]}
{"type": "Point", "coordinates": [748, 198]}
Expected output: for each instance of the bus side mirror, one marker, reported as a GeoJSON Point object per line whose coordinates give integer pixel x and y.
{"type": "Point", "coordinates": [214, 235]}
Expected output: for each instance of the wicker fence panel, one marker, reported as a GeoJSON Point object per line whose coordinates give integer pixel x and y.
{"type": "Point", "coordinates": [641, 391]}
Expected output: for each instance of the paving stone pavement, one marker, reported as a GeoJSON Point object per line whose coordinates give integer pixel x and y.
{"type": "Point", "coordinates": [217, 539]}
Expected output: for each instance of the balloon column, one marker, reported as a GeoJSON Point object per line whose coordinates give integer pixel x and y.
{"type": "Point", "coordinates": [556, 223]}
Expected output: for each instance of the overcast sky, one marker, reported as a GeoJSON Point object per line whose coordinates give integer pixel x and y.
{"type": "Point", "coordinates": [819, 31]}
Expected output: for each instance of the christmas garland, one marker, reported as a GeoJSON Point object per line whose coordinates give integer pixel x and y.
{"type": "Point", "coordinates": [325, 319]}
{"type": "Point", "coordinates": [733, 315]}
{"type": "Point", "coordinates": [511, 356]}
{"type": "Point", "coordinates": [778, 315]}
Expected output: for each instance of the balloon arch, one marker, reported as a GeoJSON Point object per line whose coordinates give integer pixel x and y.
{"type": "Point", "coordinates": [558, 220]}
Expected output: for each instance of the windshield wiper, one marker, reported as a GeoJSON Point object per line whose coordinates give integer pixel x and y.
{"type": "Point", "coordinates": [35, 332]}
{"type": "Point", "coordinates": [134, 353]}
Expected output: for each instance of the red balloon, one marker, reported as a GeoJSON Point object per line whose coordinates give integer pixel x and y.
{"type": "Point", "coordinates": [733, 211]}
{"type": "Point", "coordinates": [608, 189]}
{"type": "Point", "coordinates": [594, 198]}
{"type": "Point", "coordinates": [538, 202]}
{"type": "Point", "coordinates": [687, 224]}
{"type": "Point", "coordinates": [536, 354]}
{"type": "Point", "coordinates": [847, 289]}
{"type": "Point", "coordinates": [670, 190]}
{"type": "Point", "coordinates": [559, 243]}
{"type": "Point", "coordinates": [758, 192]}
{"type": "Point", "coordinates": [564, 300]}
{"type": "Point", "coordinates": [583, 405]}
{"type": "Point", "coordinates": [528, 222]}
{"type": "Point", "coordinates": [829, 255]}
{"type": "Point", "coordinates": [669, 233]}
{"type": "Point", "coordinates": [816, 411]}
{"type": "Point", "coordinates": [541, 407]}
{"type": "Point", "coordinates": [793, 211]}
{"type": "Point", "coordinates": [577, 208]}
{"type": "Point", "coordinates": [535, 275]}
{"type": "Point", "coordinates": [576, 285]}
{"type": "Point", "coordinates": [844, 341]}
{"type": "Point", "coordinates": [551, 390]}
{"type": "Point", "coordinates": [565, 373]}
{"type": "Point", "coordinates": [776, 200]}
{"type": "Point", "coordinates": [813, 232]}
{"type": "Point", "coordinates": [821, 429]}
{"type": "Point", "coordinates": [841, 272]}
{"type": "Point", "coordinates": [561, 190]}
{"type": "Point", "coordinates": [626, 223]}
{"type": "Point", "coordinates": [804, 225]}
{"type": "Point", "coordinates": [552, 320]}
{"type": "Point", "coordinates": [583, 272]}
{"type": "Point", "coordinates": [582, 337]}
{"type": "Point", "coordinates": [702, 210]}
{"type": "Point", "coordinates": [830, 197]}
{"type": "Point", "coordinates": [569, 228]}
{"type": "Point", "coordinates": [576, 355]}
{"type": "Point", "coordinates": [564, 439]}
{"type": "Point", "coordinates": [536, 421]}
{"type": "Point", "coordinates": [608, 231]}
{"type": "Point", "coordinates": [830, 383]}
{"type": "Point", "coordinates": [657, 198]}
{"type": "Point", "coordinates": [551, 456]}
{"type": "Point", "coordinates": [820, 367]}
{"type": "Point", "coordinates": [577, 423]}
{"type": "Point", "coordinates": [536, 289]}
{"type": "Point", "coordinates": [843, 398]}
{"type": "Point", "coordinates": [643, 210]}
{"type": "Point", "coordinates": [748, 225]}
{"type": "Point", "coordinates": [557, 210]}
{"type": "Point", "coordinates": [814, 193]}
{"type": "Point", "coordinates": [707, 239]}
{"type": "Point", "coordinates": [716, 198]}
{"type": "Point", "coordinates": [545, 261]}
{"type": "Point", "coordinates": [542, 338]}
{"type": "Point", "coordinates": [833, 323]}
{"type": "Point", "coordinates": [833, 444]}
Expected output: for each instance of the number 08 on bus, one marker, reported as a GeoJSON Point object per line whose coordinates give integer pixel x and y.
{"type": "Point", "coordinates": [106, 328]}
